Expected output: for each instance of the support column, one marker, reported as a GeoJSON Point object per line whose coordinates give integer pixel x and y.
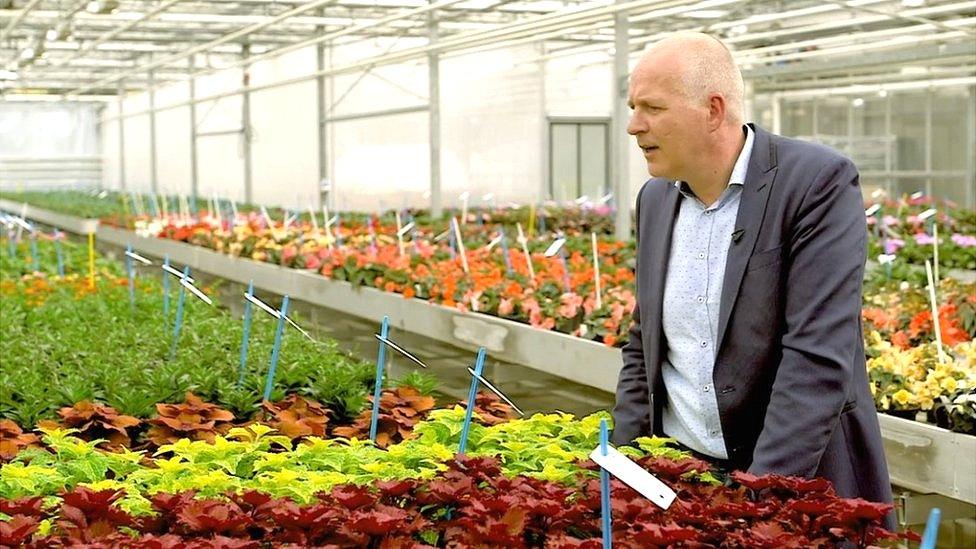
{"type": "Point", "coordinates": [434, 104]}
{"type": "Point", "coordinates": [322, 114]}
{"type": "Point", "coordinates": [153, 172]}
{"type": "Point", "coordinates": [889, 146]}
{"type": "Point", "coordinates": [748, 101]}
{"type": "Point", "coordinates": [194, 173]}
{"type": "Point", "coordinates": [777, 104]}
{"type": "Point", "coordinates": [545, 154]}
{"type": "Point", "coordinates": [121, 93]}
{"type": "Point", "coordinates": [619, 172]}
{"type": "Point", "coordinates": [928, 142]}
{"type": "Point", "coordinates": [970, 183]}
{"type": "Point", "coordinates": [246, 123]}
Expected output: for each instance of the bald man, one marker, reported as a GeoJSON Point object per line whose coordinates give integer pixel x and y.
{"type": "Point", "coordinates": [746, 345]}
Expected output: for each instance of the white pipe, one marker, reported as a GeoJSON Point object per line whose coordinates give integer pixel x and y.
{"type": "Point", "coordinates": [20, 17]}
{"type": "Point", "coordinates": [868, 89]}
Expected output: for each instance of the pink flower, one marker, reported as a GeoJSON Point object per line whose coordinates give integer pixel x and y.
{"type": "Point", "coordinates": [506, 306]}
{"type": "Point", "coordinates": [892, 245]}
{"type": "Point", "coordinates": [890, 220]}
{"type": "Point", "coordinates": [530, 306]}
{"type": "Point", "coordinates": [536, 320]}
{"type": "Point", "coordinates": [964, 241]}
{"type": "Point", "coordinates": [923, 239]}
{"type": "Point", "coordinates": [570, 305]}
{"type": "Point", "coordinates": [312, 261]}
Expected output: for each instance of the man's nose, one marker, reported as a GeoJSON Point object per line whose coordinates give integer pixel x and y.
{"type": "Point", "coordinates": [635, 125]}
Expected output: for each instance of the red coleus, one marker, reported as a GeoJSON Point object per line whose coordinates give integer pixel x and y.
{"type": "Point", "coordinates": [193, 419]}
{"type": "Point", "coordinates": [13, 439]}
{"type": "Point", "coordinates": [98, 421]}
{"type": "Point", "coordinates": [297, 417]}
{"type": "Point", "coordinates": [400, 410]}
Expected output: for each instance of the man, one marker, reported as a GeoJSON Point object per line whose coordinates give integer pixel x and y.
{"type": "Point", "coordinates": [746, 345]}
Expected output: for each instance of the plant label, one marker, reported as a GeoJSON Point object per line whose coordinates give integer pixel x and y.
{"type": "Point", "coordinates": [634, 476]}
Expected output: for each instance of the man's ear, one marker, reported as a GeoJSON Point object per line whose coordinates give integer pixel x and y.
{"type": "Point", "coordinates": [716, 111]}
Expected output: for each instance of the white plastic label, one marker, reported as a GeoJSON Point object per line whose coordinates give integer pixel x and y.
{"type": "Point", "coordinates": [872, 210]}
{"type": "Point", "coordinates": [555, 246]}
{"type": "Point", "coordinates": [632, 475]}
{"type": "Point", "coordinates": [926, 214]}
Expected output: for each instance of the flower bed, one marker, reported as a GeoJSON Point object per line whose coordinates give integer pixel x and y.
{"type": "Point", "coordinates": [523, 483]}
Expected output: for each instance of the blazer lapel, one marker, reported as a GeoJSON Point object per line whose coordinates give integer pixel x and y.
{"type": "Point", "coordinates": [657, 239]}
{"type": "Point", "coordinates": [752, 208]}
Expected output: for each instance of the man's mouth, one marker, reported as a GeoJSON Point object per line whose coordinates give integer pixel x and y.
{"type": "Point", "coordinates": [649, 149]}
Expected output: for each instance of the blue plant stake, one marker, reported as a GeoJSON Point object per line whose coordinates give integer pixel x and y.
{"type": "Point", "coordinates": [58, 253]}
{"type": "Point", "coordinates": [180, 303]}
{"type": "Point", "coordinates": [247, 334]}
{"type": "Point", "coordinates": [11, 245]}
{"type": "Point", "coordinates": [452, 244]}
{"type": "Point", "coordinates": [378, 383]}
{"type": "Point", "coordinates": [479, 367]}
{"type": "Point", "coordinates": [605, 490]}
{"type": "Point", "coordinates": [131, 270]}
{"type": "Point", "coordinates": [338, 234]}
{"type": "Point", "coordinates": [276, 351]}
{"type": "Point", "coordinates": [35, 259]}
{"type": "Point", "coordinates": [542, 225]}
{"type": "Point", "coordinates": [165, 292]}
{"type": "Point", "coordinates": [508, 260]}
{"type": "Point", "coordinates": [931, 529]}
{"type": "Point", "coordinates": [413, 235]}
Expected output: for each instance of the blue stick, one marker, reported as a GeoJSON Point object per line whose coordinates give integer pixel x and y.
{"type": "Point", "coordinates": [132, 278]}
{"type": "Point", "coordinates": [378, 384]}
{"type": "Point", "coordinates": [57, 252]}
{"type": "Point", "coordinates": [34, 256]}
{"type": "Point", "coordinates": [508, 260]}
{"type": "Point", "coordinates": [479, 366]}
{"type": "Point", "coordinates": [276, 351]}
{"type": "Point", "coordinates": [542, 225]}
{"type": "Point", "coordinates": [562, 258]}
{"type": "Point", "coordinates": [338, 234]}
{"type": "Point", "coordinates": [165, 292]}
{"type": "Point", "coordinates": [11, 245]}
{"type": "Point", "coordinates": [180, 302]}
{"type": "Point", "coordinates": [931, 529]}
{"type": "Point", "coordinates": [605, 490]}
{"type": "Point", "coordinates": [451, 243]}
{"type": "Point", "coordinates": [247, 335]}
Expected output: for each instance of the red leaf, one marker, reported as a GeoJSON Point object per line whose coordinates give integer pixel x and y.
{"type": "Point", "coordinates": [18, 530]}
{"type": "Point", "coordinates": [353, 497]}
{"type": "Point", "coordinates": [379, 522]}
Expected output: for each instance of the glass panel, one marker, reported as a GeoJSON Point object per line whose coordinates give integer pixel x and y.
{"type": "Point", "coordinates": [797, 119]}
{"type": "Point", "coordinates": [832, 116]}
{"type": "Point", "coordinates": [949, 140]}
{"type": "Point", "coordinates": [908, 123]}
{"type": "Point", "coordinates": [563, 163]}
{"type": "Point", "coordinates": [593, 160]}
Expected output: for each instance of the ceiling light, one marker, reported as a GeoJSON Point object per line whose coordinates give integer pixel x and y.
{"type": "Point", "coordinates": [705, 14]}
{"type": "Point", "coordinates": [8, 75]}
{"type": "Point", "coordinates": [882, 93]}
{"type": "Point", "coordinates": [28, 53]}
{"type": "Point", "coordinates": [913, 70]}
{"type": "Point", "coordinates": [102, 6]}
{"type": "Point", "coordinates": [738, 30]}
{"type": "Point", "coordinates": [858, 102]}
{"type": "Point", "coordinates": [60, 32]}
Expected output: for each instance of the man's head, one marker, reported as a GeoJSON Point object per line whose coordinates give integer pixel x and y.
{"type": "Point", "coordinates": [686, 97]}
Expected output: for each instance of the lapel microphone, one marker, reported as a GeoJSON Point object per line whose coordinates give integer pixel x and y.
{"type": "Point", "coordinates": [737, 235]}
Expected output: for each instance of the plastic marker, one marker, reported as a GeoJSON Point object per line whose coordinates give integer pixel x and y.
{"type": "Point", "coordinates": [525, 249]}
{"type": "Point", "coordinates": [494, 242]}
{"type": "Point", "coordinates": [605, 511]}
{"type": "Point", "coordinates": [927, 214]}
{"type": "Point", "coordinates": [505, 255]}
{"type": "Point", "coordinates": [634, 475]}
{"type": "Point", "coordinates": [378, 380]}
{"type": "Point", "coordinates": [180, 303]}
{"type": "Point", "coordinates": [605, 198]}
{"type": "Point", "coordinates": [174, 272]}
{"type": "Point", "coordinates": [596, 271]}
{"type": "Point", "coordinates": [872, 210]}
{"type": "Point", "coordinates": [935, 252]}
{"type": "Point", "coordinates": [917, 194]}
{"type": "Point", "coordinates": [555, 247]}
{"type": "Point", "coordinates": [582, 200]}
{"type": "Point", "coordinates": [193, 290]}
{"type": "Point", "coordinates": [479, 367]}
{"type": "Point", "coordinates": [267, 218]}
{"type": "Point", "coordinates": [399, 349]}
{"type": "Point", "coordinates": [406, 228]}
{"type": "Point", "coordinates": [935, 312]}
{"type": "Point", "coordinates": [315, 222]}
{"type": "Point", "coordinates": [275, 313]}
{"type": "Point", "coordinates": [495, 390]}
{"type": "Point", "coordinates": [276, 350]}
{"type": "Point", "coordinates": [137, 257]}
{"type": "Point", "coordinates": [460, 245]}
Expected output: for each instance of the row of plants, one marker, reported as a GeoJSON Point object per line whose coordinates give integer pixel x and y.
{"type": "Point", "coordinates": [52, 358]}
{"type": "Point", "coordinates": [522, 483]}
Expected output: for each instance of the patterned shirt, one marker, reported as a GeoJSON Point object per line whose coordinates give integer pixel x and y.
{"type": "Point", "coordinates": [692, 295]}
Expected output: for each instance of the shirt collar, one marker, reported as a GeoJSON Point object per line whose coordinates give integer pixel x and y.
{"type": "Point", "coordinates": [740, 168]}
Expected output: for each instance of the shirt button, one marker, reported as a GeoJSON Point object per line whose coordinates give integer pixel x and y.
{"type": "Point", "coordinates": [704, 344]}
{"type": "Point", "coordinates": [708, 212]}
{"type": "Point", "coordinates": [705, 388]}
{"type": "Point", "coordinates": [701, 255]}
{"type": "Point", "coordinates": [713, 433]}
{"type": "Point", "coordinates": [701, 299]}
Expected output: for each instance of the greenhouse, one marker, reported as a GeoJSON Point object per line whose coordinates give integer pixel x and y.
{"type": "Point", "coordinates": [487, 273]}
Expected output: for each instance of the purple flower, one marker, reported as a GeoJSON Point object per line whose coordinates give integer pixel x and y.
{"type": "Point", "coordinates": [964, 240]}
{"type": "Point", "coordinates": [892, 245]}
{"type": "Point", "coordinates": [923, 239]}
{"type": "Point", "coordinates": [890, 220]}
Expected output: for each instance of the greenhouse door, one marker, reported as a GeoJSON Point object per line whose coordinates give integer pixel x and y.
{"type": "Point", "coordinates": [578, 154]}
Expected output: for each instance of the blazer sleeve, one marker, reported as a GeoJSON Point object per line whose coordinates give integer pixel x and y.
{"type": "Point", "coordinates": [632, 411]}
{"type": "Point", "coordinates": [822, 324]}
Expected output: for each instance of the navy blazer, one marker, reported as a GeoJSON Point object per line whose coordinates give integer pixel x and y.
{"type": "Point", "coordinates": [790, 374]}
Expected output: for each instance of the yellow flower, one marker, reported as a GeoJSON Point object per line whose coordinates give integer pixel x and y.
{"type": "Point", "coordinates": [949, 385]}
{"type": "Point", "coordinates": [902, 397]}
